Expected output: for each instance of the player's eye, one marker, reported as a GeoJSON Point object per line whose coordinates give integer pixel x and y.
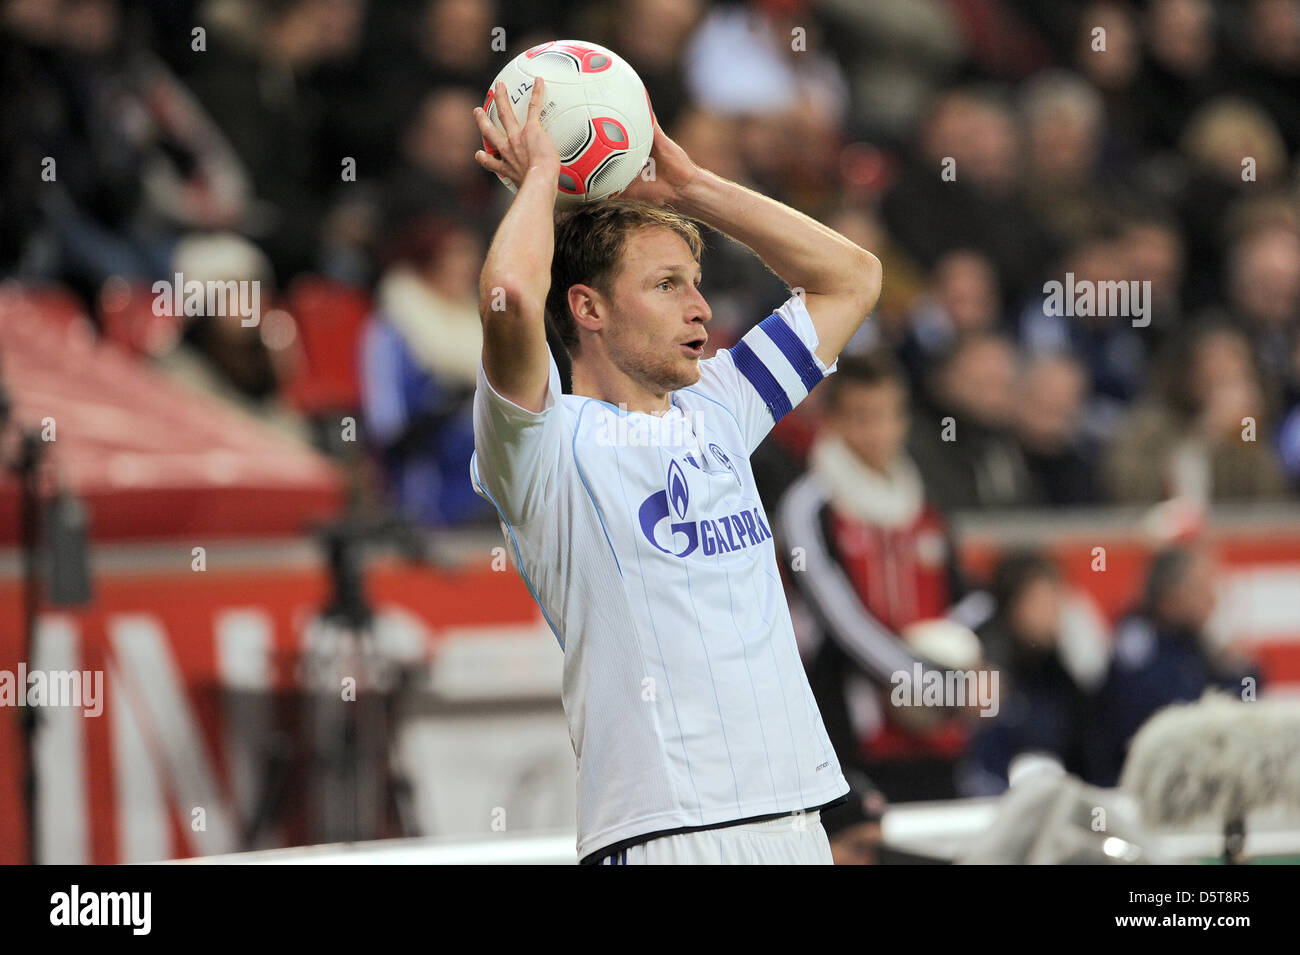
{"type": "Point", "coordinates": [665, 282]}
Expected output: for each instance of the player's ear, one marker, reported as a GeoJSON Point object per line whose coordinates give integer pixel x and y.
{"type": "Point", "coordinates": [588, 307]}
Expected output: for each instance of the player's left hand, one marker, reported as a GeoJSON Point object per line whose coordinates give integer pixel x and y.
{"type": "Point", "coordinates": [666, 175]}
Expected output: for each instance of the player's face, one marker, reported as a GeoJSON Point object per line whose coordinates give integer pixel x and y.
{"type": "Point", "coordinates": [656, 336]}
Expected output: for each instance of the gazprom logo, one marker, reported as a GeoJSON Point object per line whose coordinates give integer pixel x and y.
{"type": "Point", "coordinates": [682, 537]}
{"type": "Point", "coordinates": [679, 492]}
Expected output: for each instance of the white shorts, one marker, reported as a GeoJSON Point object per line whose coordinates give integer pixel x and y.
{"type": "Point", "coordinates": [797, 839]}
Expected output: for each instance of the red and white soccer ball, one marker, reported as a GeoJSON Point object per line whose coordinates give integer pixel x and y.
{"type": "Point", "coordinates": [597, 112]}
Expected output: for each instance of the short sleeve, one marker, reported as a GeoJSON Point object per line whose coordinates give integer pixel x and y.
{"type": "Point", "coordinates": [763, 376]}
{"type": "Point", "coordinates": [516, 452]}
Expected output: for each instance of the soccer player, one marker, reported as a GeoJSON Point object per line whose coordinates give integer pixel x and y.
{"type": "Point", "coordinates": [629, 504]}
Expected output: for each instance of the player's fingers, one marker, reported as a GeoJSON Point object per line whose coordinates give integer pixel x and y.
{"type": "Point", "coordinates": [489, 130]}
{"type": "Point", "coordinates": [538, 97]}
{"type": "Point", "coordinates": [492, 164]}
{"type": "Point", "coordinates": [506, 110]}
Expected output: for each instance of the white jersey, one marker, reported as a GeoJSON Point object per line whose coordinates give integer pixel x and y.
{"type": "Point", "coordinates": [643, 540]}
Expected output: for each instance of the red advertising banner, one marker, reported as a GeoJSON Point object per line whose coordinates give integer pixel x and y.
{"type": "Point", "coordinates": [200, 671]}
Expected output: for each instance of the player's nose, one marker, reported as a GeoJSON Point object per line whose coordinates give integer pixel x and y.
{"type": "Point", "coordinates": [699, 309]}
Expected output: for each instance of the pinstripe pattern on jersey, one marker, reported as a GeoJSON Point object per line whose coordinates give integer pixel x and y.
{"type": "Point", "coordinates": [659, 649]}
{"type": "Point", "coordinates": [708, 662]}
{"type": "Point", "coordinates": [519, 560]}
{"type": "Point", "coordinates": [573, 444]}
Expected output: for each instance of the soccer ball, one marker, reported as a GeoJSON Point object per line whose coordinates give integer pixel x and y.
{"type": "Point", "coordinates": [597, 112]}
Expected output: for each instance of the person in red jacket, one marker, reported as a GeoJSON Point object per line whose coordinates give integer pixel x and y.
{"type": "Point", "coordinates": [870, 556]}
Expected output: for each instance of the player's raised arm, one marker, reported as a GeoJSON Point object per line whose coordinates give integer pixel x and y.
{"type": "Point", "coordinates": [517, 273]}
{"type": "Point", "coordinates": [841, 281]}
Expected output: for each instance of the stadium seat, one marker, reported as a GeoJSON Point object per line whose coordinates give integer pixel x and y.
{"type": "Point", "coordinates": [126, 316]}
{"type": "Point", "coordinates": [56, 307]}
{"type": "Point", "coordinates": [330, 318]}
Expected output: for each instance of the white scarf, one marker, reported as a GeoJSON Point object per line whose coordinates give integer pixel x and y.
{"type": "Point", "coordinates": [445, 336]}
{"type": "Point", "coordinates": [886, 500]}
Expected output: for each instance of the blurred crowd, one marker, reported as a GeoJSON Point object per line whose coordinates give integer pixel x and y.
{"type": "Point", "coordinates": [983, 149]}
{"type": "Point", "coordinates": [886, 611]}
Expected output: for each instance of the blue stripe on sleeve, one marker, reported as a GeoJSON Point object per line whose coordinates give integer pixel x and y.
{"type": "Point", "coordinates": [794, 350]}
{"type": "Point", "coordinates": [768, 388]}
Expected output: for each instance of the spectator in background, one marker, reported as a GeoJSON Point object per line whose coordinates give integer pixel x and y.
{"type": "Point", "coordinates": [1264, 301]}
{"type": "Point", "coordinates": [437, 174]}
{"type": "Point", "coordinates": [1108, 345]}
{"type": "Point", "coordinates": [420, 356]}
{"type": "Point", "coordinates": [255, 80]}
{"type": "Point", "coordinates": [1110, 61]}
{"type": "Point", "coordinates": [1234, 151]}
{"type": "Point", "coordinates": [28, 94]}
{"type": "Point", "coordinates": [1064, 124]}
{"type": "Point", "coordinates": [1151, 248]}
{"type": "Point", "coordinates": [135, 160]}
{"type": "Point", "coordinates": [411, 50]}
{"type": "Point", "coordinates": [1205, 433]}
{"type": "Point", "coordinates": [448, 43]}
{"type": "Point", "coordinates": [1163, 654]}
{"type": "Point", "coordinates": [741, 61]}
{"type": "Point", "coordinates": [963, 190]}
{"type": "Point", "coordinates": [1267, 70]}
{"type": "Point", "coordinates": [963, 298]}
{"type": "Point", "coordinates": [1179, 73]}
{"type": "Point", "coordinates": [1050, 397]}
{"type": "Point", "coordinates": [876, 558]}
{"type": "Point", "coordinates": [1288, 437]}
{"type": "Point", "coordinates": [889, 322]}
{"type": "Point", "coordinates": [897, 53]}
{"type": "Point", "coordinates": [1001, 39]}
{"type": "Point", "coordinates": [245, 365]}
{"type": "Point", "coordinates": [651, 35]}
{"type": "Point", "coordinates": [963, 441]}
{"type": "Point", "coordinates": [453, 38]}
{"type": "Point", "coordinates": [1041, 706]}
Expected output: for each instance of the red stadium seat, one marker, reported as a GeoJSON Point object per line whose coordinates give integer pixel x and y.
{"type": "Point", "coordinates": [57, 308]}
{"type": "Point", "coordinates": [330, 317]}
{"type": "Point", "coordinates": [126, 315]}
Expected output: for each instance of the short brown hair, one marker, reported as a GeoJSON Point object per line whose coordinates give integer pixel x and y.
{"type": "Point", "coordinates": [869, 369]}
{"type": "Point", "coordinates": [589, 243]}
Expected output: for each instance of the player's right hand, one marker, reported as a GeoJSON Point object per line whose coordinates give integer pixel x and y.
{"type": "Point", "coordinates": [518, 149]}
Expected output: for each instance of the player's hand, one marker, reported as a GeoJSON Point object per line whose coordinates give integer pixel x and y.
{"type": "Point", "coordinates": [519, 148]}
{"type": "Point", "coordinates": [667, 179]}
